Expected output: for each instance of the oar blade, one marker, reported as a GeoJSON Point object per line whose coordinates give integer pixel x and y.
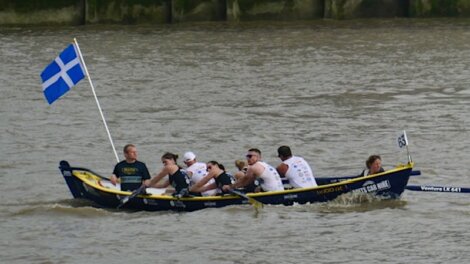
{"type": "Point", "coordinates": [126, 199]}
{"type": "Point", "coordinates": [257, 204]}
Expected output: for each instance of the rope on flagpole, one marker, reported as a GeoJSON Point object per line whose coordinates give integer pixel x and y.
{"type": "Point", "coordinates": [96, 98]}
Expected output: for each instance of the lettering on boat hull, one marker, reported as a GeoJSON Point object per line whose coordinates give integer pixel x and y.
{"type": "Point", "coordinates": [290, 196]}
{"type": "Point", "coordinates": [150, 201]}
{"type": "Point", "coordinates": [370, 187]}
{"type": "Point", "coordinates": [330, 190]}
{"type": "Point", "coordinates": [178, 204]}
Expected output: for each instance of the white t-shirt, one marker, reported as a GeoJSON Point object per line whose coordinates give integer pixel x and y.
{"type": "Point", "coordinates": [299, 173]}
{"type": "Point", "coordinates": [198, 171]}
{"type": "Point", "coordinates": [271, 181]}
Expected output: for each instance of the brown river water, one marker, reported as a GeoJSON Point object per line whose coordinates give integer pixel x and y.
{"type": "Point", "coordinates": [335, 91]}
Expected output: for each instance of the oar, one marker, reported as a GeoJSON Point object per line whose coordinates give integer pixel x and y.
{"type": "Point", "coordinates": [426, 188]}
{"type": "Point", "coordinates": [258, 205]}
{"type": "Point", "coordinates": [126, 199]}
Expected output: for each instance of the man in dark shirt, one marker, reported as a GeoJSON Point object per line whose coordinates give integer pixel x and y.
{"type": "Point", "coordinates": [130, 171]}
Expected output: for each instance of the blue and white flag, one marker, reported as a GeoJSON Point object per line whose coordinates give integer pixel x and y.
{"type": "Point", "coordinates": [62, 74]}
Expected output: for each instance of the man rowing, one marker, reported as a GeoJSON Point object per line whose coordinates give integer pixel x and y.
{"type": "Point", "coordinates": [295, 169]}
{"type": "Point", "coordinates": [258, 170]}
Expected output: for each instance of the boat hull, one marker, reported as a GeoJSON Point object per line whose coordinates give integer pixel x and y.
{"type": "Point", "coordinates": [85, 184]}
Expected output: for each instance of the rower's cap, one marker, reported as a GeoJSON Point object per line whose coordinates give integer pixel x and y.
{"type": "Point", "coordinates": [188, 156]}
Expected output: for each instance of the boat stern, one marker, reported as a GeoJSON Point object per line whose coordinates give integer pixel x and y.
{"type": "Point", "coordinates": [66, 171]}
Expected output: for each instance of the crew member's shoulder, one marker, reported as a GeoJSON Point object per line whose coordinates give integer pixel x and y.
{"type": "Point", "coordinates": [140, 163]}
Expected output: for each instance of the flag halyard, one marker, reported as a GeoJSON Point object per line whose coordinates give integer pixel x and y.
{"type": "Point", "coordinates": [62, 74]}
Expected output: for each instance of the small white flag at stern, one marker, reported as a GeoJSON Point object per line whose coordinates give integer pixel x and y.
{"type": "Point", "coordinates": [402, 140]}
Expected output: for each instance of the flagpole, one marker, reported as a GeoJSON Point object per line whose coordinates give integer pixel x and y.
{"type": "Point", "coordinates": [96, 98]}
{"type": "Point", "coordinates": [407, 150]}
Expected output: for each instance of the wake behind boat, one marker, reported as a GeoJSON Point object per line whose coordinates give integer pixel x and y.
{"type": "Point", "coordinates": [86, 184]}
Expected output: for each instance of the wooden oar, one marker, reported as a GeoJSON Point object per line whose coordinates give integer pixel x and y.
{"type": "Point", "coordinates": [426, 188]}
{"type": "Point", "coordinates": [258, 205]}
{"type": "Point", "coordinates": [126, 199]}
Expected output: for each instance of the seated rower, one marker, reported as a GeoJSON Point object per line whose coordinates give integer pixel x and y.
{"type": "Point", "coordinates": [215, 172]}
{"type": "Point", "coordinates": [295, 169]}
{"type": "Point", "coordinates": [177, 177]}
{"type": "Point", "coordinates": [260, 171]}
{"type": "Point", "coordinates": [196, 171]}
{"type": "Point", "coordinates": [374, 165]}
{"type": "Point", "coordinates": [242, 168]}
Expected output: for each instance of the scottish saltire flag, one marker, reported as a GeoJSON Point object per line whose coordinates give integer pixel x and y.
{"type": "Point", "coordinates": [62, 74]}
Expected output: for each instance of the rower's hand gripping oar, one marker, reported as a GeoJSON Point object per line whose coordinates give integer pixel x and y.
{"type": "Point", "coordinates": [124, 200]}
{"type": "Point", "coordinates": [257, 204]}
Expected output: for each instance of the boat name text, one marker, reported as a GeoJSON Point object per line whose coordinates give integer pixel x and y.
{"type": "Point", "coordinates": [440, 189]}
{"type": "Point", "coordinates": [373, 187]}
{"type": "Point", "coordinates": [330, 190]}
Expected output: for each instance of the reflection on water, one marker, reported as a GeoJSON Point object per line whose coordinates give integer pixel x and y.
{"type": "Point", "coordinates": [56, 210]}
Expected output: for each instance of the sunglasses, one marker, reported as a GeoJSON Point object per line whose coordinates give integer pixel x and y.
{"type": "Point", "coordinates": [209, 168]}
{"type": "Point", "coordinates": [249, 156]}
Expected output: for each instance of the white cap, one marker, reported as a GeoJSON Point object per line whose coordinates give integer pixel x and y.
{"type": "Point", "coordinates": [188, 156]}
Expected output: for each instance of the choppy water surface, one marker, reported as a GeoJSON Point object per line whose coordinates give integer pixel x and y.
{"type": "Point", "coordinates": [335, 92]}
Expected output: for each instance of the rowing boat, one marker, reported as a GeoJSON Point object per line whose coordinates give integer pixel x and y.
{"type": "Point", "coordinates": [86, 184]}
